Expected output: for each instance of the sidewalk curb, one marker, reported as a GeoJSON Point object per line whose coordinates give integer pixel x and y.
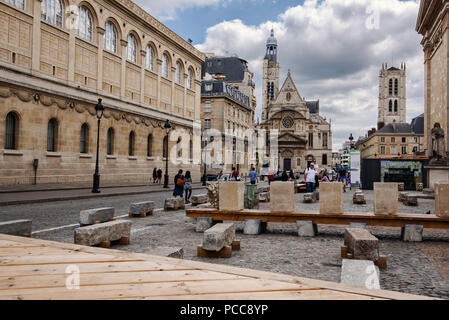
{"type": "Point", "coordinates": [19, 202]}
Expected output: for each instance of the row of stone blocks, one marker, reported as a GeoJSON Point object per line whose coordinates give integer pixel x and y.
{"type": "Point", "coordinates": [408, 199]}
{"type": "Point", "coordinates": [331, 194]}
{"type": "Point", "coordinates": [20, 228]}
{"type": "Point", "coordinates": [219, 241]}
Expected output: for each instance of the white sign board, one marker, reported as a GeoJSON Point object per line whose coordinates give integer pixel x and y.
{"type": "Point", "coordinates": [355, 168]}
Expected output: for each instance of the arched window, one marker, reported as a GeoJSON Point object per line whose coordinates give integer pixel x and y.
{"type": "Point", "coordinates": [165, 65]}
{"type": "Point", "coordinates": [110, 37]}
{"type": "Point", "coordinates": [178, 72]}
{"type": "Point", "coordinates": [17, 3]}
{"type": "Point", "coordinates": [396, 87]}
{"type": "Point", "coordinates": [11, 131]}
{"type": "Point", "coordinates": [190, 79]}
{"type": "Point", "coordinates": [131, 50]}
{"type": "Point", "coordinates": [85, 24]}
{"type": "Point", "coordinates": [149, 58]}
{"type": "Point", "coordinates": [51, 135]}
{"type": "Point", "coordinates": [51, 11]}
{"type": "Point", "coordinates": [395, 106]}
{"type": "Point", "coordinates": [178, 148]}
{"type": "Point", "coordinates": [390, 106]}
{"type": "Point", "coordinates": [84, 138]}
{"type": "Point", "coordinates": [149, 145]}
{"type": "Point", "coordinates": [131, 144]}
{"type": "Point", "coordinates": [390, 87]}
{"type": "Point", "coordinates": [110, 147]}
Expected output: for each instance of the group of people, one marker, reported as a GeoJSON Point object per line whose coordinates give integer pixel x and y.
{"type": "Point", "coordinates": [183, 183]}
{"type": "Point", "coordinates": [157, 176]}
{"type": "Point", "coordinates": [312, 177]}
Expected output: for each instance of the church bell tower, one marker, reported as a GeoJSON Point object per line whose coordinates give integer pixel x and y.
{"type": "Point", "coordinates": [270, 75]}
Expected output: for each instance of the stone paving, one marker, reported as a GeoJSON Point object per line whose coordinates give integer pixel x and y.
{"type": "Point", "coordinates": [410, 269]}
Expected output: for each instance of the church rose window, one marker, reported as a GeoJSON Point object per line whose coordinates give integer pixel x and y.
{"type": "Point", "coordinates": [288, 122]}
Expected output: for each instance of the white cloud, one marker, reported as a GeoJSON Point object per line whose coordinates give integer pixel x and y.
{"type": "Point", "coordinates": [333, 56]}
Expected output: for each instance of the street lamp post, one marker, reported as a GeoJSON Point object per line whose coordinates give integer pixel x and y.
{"type": "Point", "coordinates": [99, 109]}
{"type": "Point", "coordinates": [205, 175]}
{"type": "Point", "coordinates": [167, 127]}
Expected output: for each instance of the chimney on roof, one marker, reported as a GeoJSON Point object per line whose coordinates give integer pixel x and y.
{"type": "Point", "coordinates": [394, 126]}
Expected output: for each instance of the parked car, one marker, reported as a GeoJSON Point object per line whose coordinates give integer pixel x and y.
{"type": "Point", "coordinates": [210, 177]}
{"type": "Point", "coordinates": [227, 176]}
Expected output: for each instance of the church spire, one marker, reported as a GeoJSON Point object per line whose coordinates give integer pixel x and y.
{"type": "Point", "coordinates": [272, 47]}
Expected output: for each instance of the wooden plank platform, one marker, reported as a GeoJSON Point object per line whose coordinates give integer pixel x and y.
{"type": "Point", "coordinates": [36, 269]}
{"type": "Point", "coordinates": [427, 221]}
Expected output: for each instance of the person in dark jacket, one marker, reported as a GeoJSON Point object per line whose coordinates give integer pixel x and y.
{"type": "Point", "coordinates": [154, 175]}
{"type": "Point", "coordinates": [179, 184]}
{"type": "Point", "coordinates": [284, 176]}
{"type": "Point", "coordinates": [159, 176]}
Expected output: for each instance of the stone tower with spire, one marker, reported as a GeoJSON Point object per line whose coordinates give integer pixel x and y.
{"type": "Point", "coordinates": [271, 69]}
{"type": "Point", "coordinates": [392, 96]}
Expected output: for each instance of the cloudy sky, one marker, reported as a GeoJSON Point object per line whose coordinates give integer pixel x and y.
{"type": "Point", "coordinates": [334, 48]}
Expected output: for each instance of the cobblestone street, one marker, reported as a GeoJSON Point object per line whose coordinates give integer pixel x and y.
{"type": "Point", "coordinates": [412, 267]}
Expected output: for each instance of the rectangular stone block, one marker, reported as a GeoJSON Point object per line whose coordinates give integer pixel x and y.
{"type": "Point", "coordinates": [309, 198]}
{"type": "Point", "coordinates": [141, 208]}
{"type": "Point", "coordinates": [219, 236]}
{"type": "Point", "coordinates": [442, 200]}
{"type": "Point", "coordinates": [331, 198]}
{"type": "Point", "coordinates": [174, 204]}
{"type": "Point", "coordinates": [21, 228]}
{"type": "Point", "coordinates": [362, 244]}
{"type": "Point", "coordinates": [203, 224]}
{"type": "Point", "coordinates": [104, 232]}
{"type": "Point", "coordinates": [100, 215]}
{"type": "Point", "coordinates": [402, 196]}
{"type": "Point", "coordinates": [411, 201]}
{"type": "Point", "coordinates": [386, 199]}
{"type": "Point", "coordinates": [231, 195]}
{"type": "Point", "coordinates": [254, 227]}
{"type": "Point", "coordinates": [359, 198]}
{"type": "Point", "coordinates": [262, 189]}
{"type": "Point", "coordinates": [282, 196]}
{"type": "Point", "coordinates": [264, 197]}
{"type": "Point", "coordinates": [306, 229]}
{"type": "Point", "coordinates": [199, 199]}
{"type": "Point", "coordinates": [412, 233]}
{"type": "Point", "coordinates": [360, 273]}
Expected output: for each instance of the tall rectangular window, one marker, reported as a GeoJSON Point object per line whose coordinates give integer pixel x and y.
{"type": "Point", "coordinates": [207, 106]}
{"type": "Point", "coordinates": [310, 140]}
{"type": "Point", "coordinates": [404, 150]}
{"type": "Point", "coordinates": [392, 150]}
{"type": "Point", "coordinates": [382, 150]}
{"type": "Point", "coordinates": [325, 141]}
{"type": "Point", "coordinates": [206, 123]}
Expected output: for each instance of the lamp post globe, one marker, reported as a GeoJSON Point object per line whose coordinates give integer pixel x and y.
{"type": "Point", "coordinates": [99, 109]}
{"type": "Point", "coordinates": [167, 127]}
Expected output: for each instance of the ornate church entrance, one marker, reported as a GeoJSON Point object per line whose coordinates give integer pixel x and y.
{"type": "Point", "coordinates": [287, 164]}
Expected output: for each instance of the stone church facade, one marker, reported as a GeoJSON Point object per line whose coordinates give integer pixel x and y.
{"type": "Point", "coordinates": [303, 134]}
{"type": "Point", "coordinates": [52, 75]}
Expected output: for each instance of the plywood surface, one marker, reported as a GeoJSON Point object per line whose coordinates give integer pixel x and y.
{"type": "Point", "coordinates": [39, 270]}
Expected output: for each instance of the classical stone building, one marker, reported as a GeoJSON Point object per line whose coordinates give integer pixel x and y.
{"type": "Point", "coordinates": [433, 25]}
{"type": "Point", "coordinates": [394, 140]}
{"type": "Point", "coordinates": [303, 134]}
{"type": "Point", "coordinates": [52, 72]}
{"type": "Point", "coordinates": [227, 112]}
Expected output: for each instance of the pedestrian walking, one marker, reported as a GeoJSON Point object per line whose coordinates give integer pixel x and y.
{"type": "Point", "coordinates": [234, 174]}
{"type": "Point", "coordinates": [179, 184]}
{"type": "Point", "coordinates": [159, 176]}
{"type": "Point", "coordinates": [270, 176]}
{"type": "Point", "coordinates": [341, 177]}
{"type": "Point", "coordinates": [188, 187]}
{"type": "Point", "coordinates": [253, 176]}
{"type": "Point", "coordinates": [154, 175]}
{"type": "Point", "coordinates": [309, 176]}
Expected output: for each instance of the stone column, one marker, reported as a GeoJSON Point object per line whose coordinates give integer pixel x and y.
{"type": "Point", "coordinates": [158, 70]}
{"type": "Point", "coordinates": [143, 53]}
{"type": "Point", "coordinates": [185, 96]}
{"type": "Point", "coordinates": [72, 55]}
{"type": "Point", "coordinates": [124, 45]}
{"type": "Point", "coordinates": [36, 49]}
{"type": "Point", "coordinates": [100, 34]}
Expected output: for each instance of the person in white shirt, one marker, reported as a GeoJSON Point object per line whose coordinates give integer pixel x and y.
{"type": "Point", "coordinates": [309, 177]}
